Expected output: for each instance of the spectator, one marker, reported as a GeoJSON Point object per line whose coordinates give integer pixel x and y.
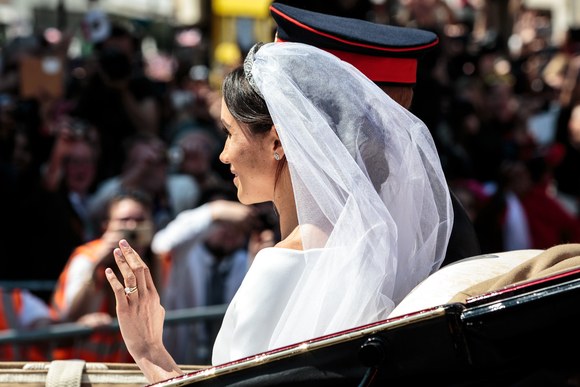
{"type": "Point", "coordinates": [426, 14]}
{"type": "Point", "coordinates": [22, 310]}
{"type": "Point", "coordinates": [195, 154]}
{"type": "Point", "coordinates": [69, 178]}
{"type": "Point", "coordinates": [56, 195]}
{"type": "Point", "coordinates": [561, 71]}
{"type": "Point", "coordinates": [24, 199]}
{"type": "Point", "coordinates": [206, 252]}
{"type": "Point", "coordinates": [566, 172]}
{"type": "Point", "coordinates": [119, 99]}
{"type": "Point", "coordinates": [458, 134]}
{"type": "Point", "coordinates": [502, 224]}
{"type": "Point", "coordinates": [146, 169]}
{"type": "Point", "coordinates": [503, 134]}
{"type": "Point", "coordinates": [81, 294]}
{"type": "Point", "coordinates": [190, 99]}
{"type": "Point", "coordinates": [550, 222]}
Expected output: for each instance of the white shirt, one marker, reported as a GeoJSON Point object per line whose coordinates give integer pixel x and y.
{"type": "Point", "coordinates": [191, 262]}
{"type": "Point", "coordinates": [33, 309]}
{"type": "Point", "coordinates": [516, 233]}
{"type": "Point", "coordinates": [189, 277]}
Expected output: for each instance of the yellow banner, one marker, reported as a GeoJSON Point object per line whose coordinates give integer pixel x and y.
{"type": "Point", "coordinates": [242, 8]}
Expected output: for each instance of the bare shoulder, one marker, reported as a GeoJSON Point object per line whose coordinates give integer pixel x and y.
{"type": "Point", "coordinates": [292, 241]}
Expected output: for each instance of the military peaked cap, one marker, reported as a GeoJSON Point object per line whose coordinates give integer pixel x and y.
{"type": "Point", "coordinates": [385, 54]}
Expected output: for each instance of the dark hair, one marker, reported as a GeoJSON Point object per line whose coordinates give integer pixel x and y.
{"type": "Point", "coordinates": [245, 105]}
{"type": "Point", "coordinates": [138, 196]}
{"type": "Point", "coordinates": [138, 138]}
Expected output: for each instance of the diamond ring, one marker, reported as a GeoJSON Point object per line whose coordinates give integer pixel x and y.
{"type": "Point", "coordinates": [130, 290]}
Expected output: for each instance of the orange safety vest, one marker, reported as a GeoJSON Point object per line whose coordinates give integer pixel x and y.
{"type": "Point", "coordinates": [100, 346]}
{"type": "Point", "coordinates": [165, 263]}
{"type": "Point", "coordinates": [11, 304]}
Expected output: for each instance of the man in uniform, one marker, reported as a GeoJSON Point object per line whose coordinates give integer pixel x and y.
{"type": "Point", "coordinates": [389, 56]}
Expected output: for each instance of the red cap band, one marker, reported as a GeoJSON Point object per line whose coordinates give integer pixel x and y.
{"type": "Point", "coordinates": [382, 69]}
{"type": "Point", "coordinates": [378, 68]}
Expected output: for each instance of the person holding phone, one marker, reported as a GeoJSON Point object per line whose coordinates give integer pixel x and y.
{"type": "Point", "coordinates": [82, 295]}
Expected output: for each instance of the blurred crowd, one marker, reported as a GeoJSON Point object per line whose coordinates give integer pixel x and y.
{"type": "Point", "coordinates": [500, 105]}
{"type": "Point", "coordinates": [111, 143]}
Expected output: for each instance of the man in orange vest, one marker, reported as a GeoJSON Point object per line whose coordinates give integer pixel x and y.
{"type": "Point", "coordinates": [82, 293]}
{"type": "Point", "coordinates": [22, 310]}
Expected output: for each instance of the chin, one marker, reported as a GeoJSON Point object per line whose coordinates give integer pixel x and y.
{"type": "Point", "coordinates": [241, 197]}
{"type": "Point", "coordinates": [244, 199]}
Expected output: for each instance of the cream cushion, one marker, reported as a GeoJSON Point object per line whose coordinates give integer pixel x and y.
{"type": "Point", "coordinates": [441, 286]}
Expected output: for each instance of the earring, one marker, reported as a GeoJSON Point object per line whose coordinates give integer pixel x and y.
{"type": "Point", "coordinates": [276, 156]}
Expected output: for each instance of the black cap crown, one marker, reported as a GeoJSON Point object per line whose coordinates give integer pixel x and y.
{"type": "Point", "coordinates": [384, 53]}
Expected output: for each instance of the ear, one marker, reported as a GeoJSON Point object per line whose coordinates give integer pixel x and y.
{"type": "Point", "coordinates": [276, 144]}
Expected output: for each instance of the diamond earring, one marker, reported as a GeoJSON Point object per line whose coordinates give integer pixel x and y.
{"type": "Point", "coordinates": [276, 156]}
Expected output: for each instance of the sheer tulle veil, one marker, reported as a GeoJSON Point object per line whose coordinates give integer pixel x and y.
{"type": "Point", "coordinates": [372, 201]}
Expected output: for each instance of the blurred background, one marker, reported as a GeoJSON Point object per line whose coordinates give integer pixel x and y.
{"type": "Point", "coordinates": [101, 94]}
{"type": "Point", "coordinates": [498, 94]}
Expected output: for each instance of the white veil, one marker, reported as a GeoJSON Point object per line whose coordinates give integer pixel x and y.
{"type": "Point", "coordinates": [368, 185]}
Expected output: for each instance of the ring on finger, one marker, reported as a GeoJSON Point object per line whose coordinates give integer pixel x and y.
{"type": "Point", "coordinates": [129, 290]}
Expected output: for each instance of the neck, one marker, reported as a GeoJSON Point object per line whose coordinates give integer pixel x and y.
{"type": "Point", "coordinates": [285, 205]}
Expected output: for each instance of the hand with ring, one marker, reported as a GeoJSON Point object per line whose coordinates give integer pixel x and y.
{"type": "Point", "coordinates": [130, 290]}
{"type": "Point", "coordinates": [141, 315]}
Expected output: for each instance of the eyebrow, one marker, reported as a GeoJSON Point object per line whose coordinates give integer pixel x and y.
{"type": "Point", "coordinates": [225, 123]}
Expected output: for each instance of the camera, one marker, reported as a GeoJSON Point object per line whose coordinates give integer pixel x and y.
{"type": "Point", "coordinates": [141, 235]}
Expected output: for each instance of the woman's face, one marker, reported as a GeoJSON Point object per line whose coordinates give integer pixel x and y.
{"type": "Point", "coordinates": [251, 160]}
{"type": "Point", "coordinates": [134, 221]}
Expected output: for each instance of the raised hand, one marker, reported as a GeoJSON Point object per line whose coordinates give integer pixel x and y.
{"type": "Point", "coordinates": [141, 315]}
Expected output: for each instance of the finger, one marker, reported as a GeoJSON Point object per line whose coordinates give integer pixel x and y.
{"type": "Point", "coordinates": [129, 277]}
{"type": "Point", "coordinates": [118, 288]}
{"type": "Point", "coordinates": [150, 285]}
{"type": "Point", "coordinates": [138, 268]}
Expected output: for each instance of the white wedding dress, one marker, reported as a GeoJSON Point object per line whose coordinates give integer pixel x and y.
{"type": "Point", "coordinates": [253, 313]}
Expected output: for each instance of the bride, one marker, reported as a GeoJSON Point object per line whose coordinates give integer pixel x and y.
{"type": "Point", "coordinates": [363, 205]}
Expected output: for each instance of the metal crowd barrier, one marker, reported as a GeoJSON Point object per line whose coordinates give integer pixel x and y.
{"type": "Point", "coordinates": [32, 285]}
{"type": "Point", "coordinates": [56, 333]}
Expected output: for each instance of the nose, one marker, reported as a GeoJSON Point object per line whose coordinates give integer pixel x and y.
{"type": "Point", "coordinates": [131, 224]}
{"type": "Point", "coordinates": [223, 155]}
